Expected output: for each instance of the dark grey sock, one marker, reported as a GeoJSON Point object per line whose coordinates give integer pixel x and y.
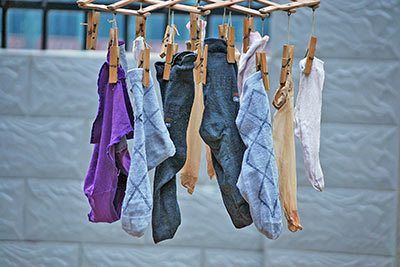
{"type": "Point", "coordinates": [177, 95]}
{"type": "Point", "coordinates": [218, 129]}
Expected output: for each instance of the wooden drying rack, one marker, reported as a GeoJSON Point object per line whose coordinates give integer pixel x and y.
{"type": "Point", "coordinates": [204, 10]}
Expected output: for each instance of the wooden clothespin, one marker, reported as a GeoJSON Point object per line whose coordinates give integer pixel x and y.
{"type": "Point", "coordinates": [248, 26]}
{"type": "Point", "coordinates": [89, 30]}
{"type": "Point", "coordinates": [200, 67]}
{"type": "Point", "coordinates": [261, 65]}
{"type": "Point", "coordinates": [141, 27]}
{"type": "Point", "coordinates": [195, 31]}
{"type": "Point", "coordinates": [94, 29]}
{"type": "Point", "coordinates": [169, 37]}
{"type": "Point", "coordinates": [310, 54]}
{"type": "Point", "coordinates": [168, 61]}
{"type": "Point", "coordinates": [114, 57]}
{"type": "Point", "coordinates": [222, 29]}
{"type": "Point", "coordinates": [231, 44]}
{"type": "Point", "coordinates": [291, 55]}
{"type": "Point", "coordinates": [285, 61]}
{"type": "Point", "coordinates": [203, 66]}
{"type": "Point", "coordinates": [146, 67]}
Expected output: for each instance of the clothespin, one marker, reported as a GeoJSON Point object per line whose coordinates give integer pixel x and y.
{"type": "Point", "coordinates": [89, 30]}
{"type": "Point", "coordinates": [111, 38]}
{"type": "Point", "coordinates": [290, 63]}
{"type": "Point", "coordinates": [195, 31]}
{"type": "Point", "coordinates": [222, 29]}
{"type": "Point", "coordinates": [310, 54]}
{"type": "Point", "coordinates": [168, 61]}
{"type": "Point", "coordinates": [141, 27]}
{"type": "Point", "coordinates": [261, 65]}
{"type": "Point", "coordinates": [94, 29]}
{"type": "Point", "coordinates": [114, 57]}
{"type": "Point", "coordinates": [203, 66]}
{"type": "Point", "coordinates": [197, 66]}
{"type": "Point", "coordinates": [248, 26]}
{"type": "Point", "coordinates": [169, 37]}
{"type": "Point", "coordinates": [231, 44]}
{"type": "Point", "coordinates": [146, 66]}
{"type": "Point", "coordinates": [285, 61]}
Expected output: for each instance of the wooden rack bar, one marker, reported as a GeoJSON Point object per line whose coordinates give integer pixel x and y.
{"type": "Point", "coordinates": [184, 8]}
{"type": "Point", "coordinates": [159, 6]}
{"type": "Point", "coordinates": [290, 6]}
{"type": "Point", "coordinates": [220, 4]}
{"type": "Point", "coordinates": [241, 9]}
{"type": "Point", "coordinates": [118, 10]}
{"type": "Point", "coordinates": [119, 4]}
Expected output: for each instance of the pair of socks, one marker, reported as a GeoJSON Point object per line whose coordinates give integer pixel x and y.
{"type": "Point", "coordinates": [258, 180]}
{"type": "Point", "coordinates": [151, 146]}
{"type": "Point", "coordinates": [219, 131]}
{"type": "Point", "coordinates": [177, 95]}
{"type": "Point", "coordinates": [307, 119]}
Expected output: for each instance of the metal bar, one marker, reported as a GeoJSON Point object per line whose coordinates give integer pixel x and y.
{"type": "Point", "coordinates": [126, 23]}
{"type": "Point", "coordinates": [44, 28]}
{"type": "Point", "coordinates": [4, 27]}
{"type": "Point", "coordinates": [84, 31]}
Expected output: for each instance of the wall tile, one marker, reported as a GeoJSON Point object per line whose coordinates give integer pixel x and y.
{"type": "Point", "coordinates": [304, 258]}
{"type": "Point", "coordinates": [356, 156]}
{"type": "Point", "coordinates": [228, 258]}
{"type": "Point", "coordinates": [105, 255]}
{"type": "Point", "coordinates": [344, 220]}
{"type": "Point", "coordinates": [14, 90]}
{"type": "Point", "coordinates": [44, 147]}
{"type": "Point", "coordinates": [356, 29]}
{"type": "Point", "coordinates": [206, 223]}
{"type": "Point", "coordinates": [50, 254]}
{"type": "Point", "coordinates": [57, 210]}
{"type": "Point", "coordinates": [12, 208]}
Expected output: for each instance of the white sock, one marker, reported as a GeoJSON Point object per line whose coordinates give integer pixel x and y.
{"type": "Point", "coordinates": [307, 119]}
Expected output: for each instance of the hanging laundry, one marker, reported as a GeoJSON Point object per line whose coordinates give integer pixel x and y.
{"type": "Point", "coordinates": [219, 131]}
{"type": "Point", "coordinates": [247, 63]}
{"type": "Point", "coordinates": [151, 146]}
{"type": "Point", "coordinates": [258, 180]}
{"type": "Point", "coordinates": [105, 182]}
{"type": "Point", "coordinates": [307, 119]}
{"type": "Point", "coordinates": [177, 95]}
{"type": "Point", "coordinates": [190, 171]}
{"type": "Point", "coordinates": [285, 153]}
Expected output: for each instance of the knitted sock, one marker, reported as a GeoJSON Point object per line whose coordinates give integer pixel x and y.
{"type": "Point", "coordinates": [137, 205]}
{"type": "Point", "coordinates": [219, 131]}
{"type": "Point", "coordinates": [177, 94]}
{"type": "Point", "coordinates": [307, 119]}
{"type": "Point", "coordinates": [258, 180]}
{"type": "Point", "coordinates": [283, 137]}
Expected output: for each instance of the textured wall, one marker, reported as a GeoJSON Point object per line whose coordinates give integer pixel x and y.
{"type": "Point", "coordinates": [48, 101]}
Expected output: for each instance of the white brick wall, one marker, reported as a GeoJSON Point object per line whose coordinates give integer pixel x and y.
{"type": "Point", "coordinates": [48, 101]}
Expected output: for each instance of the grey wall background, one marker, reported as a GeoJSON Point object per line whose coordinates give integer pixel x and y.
{"type": "Point", "coordinates": [48, 101]}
